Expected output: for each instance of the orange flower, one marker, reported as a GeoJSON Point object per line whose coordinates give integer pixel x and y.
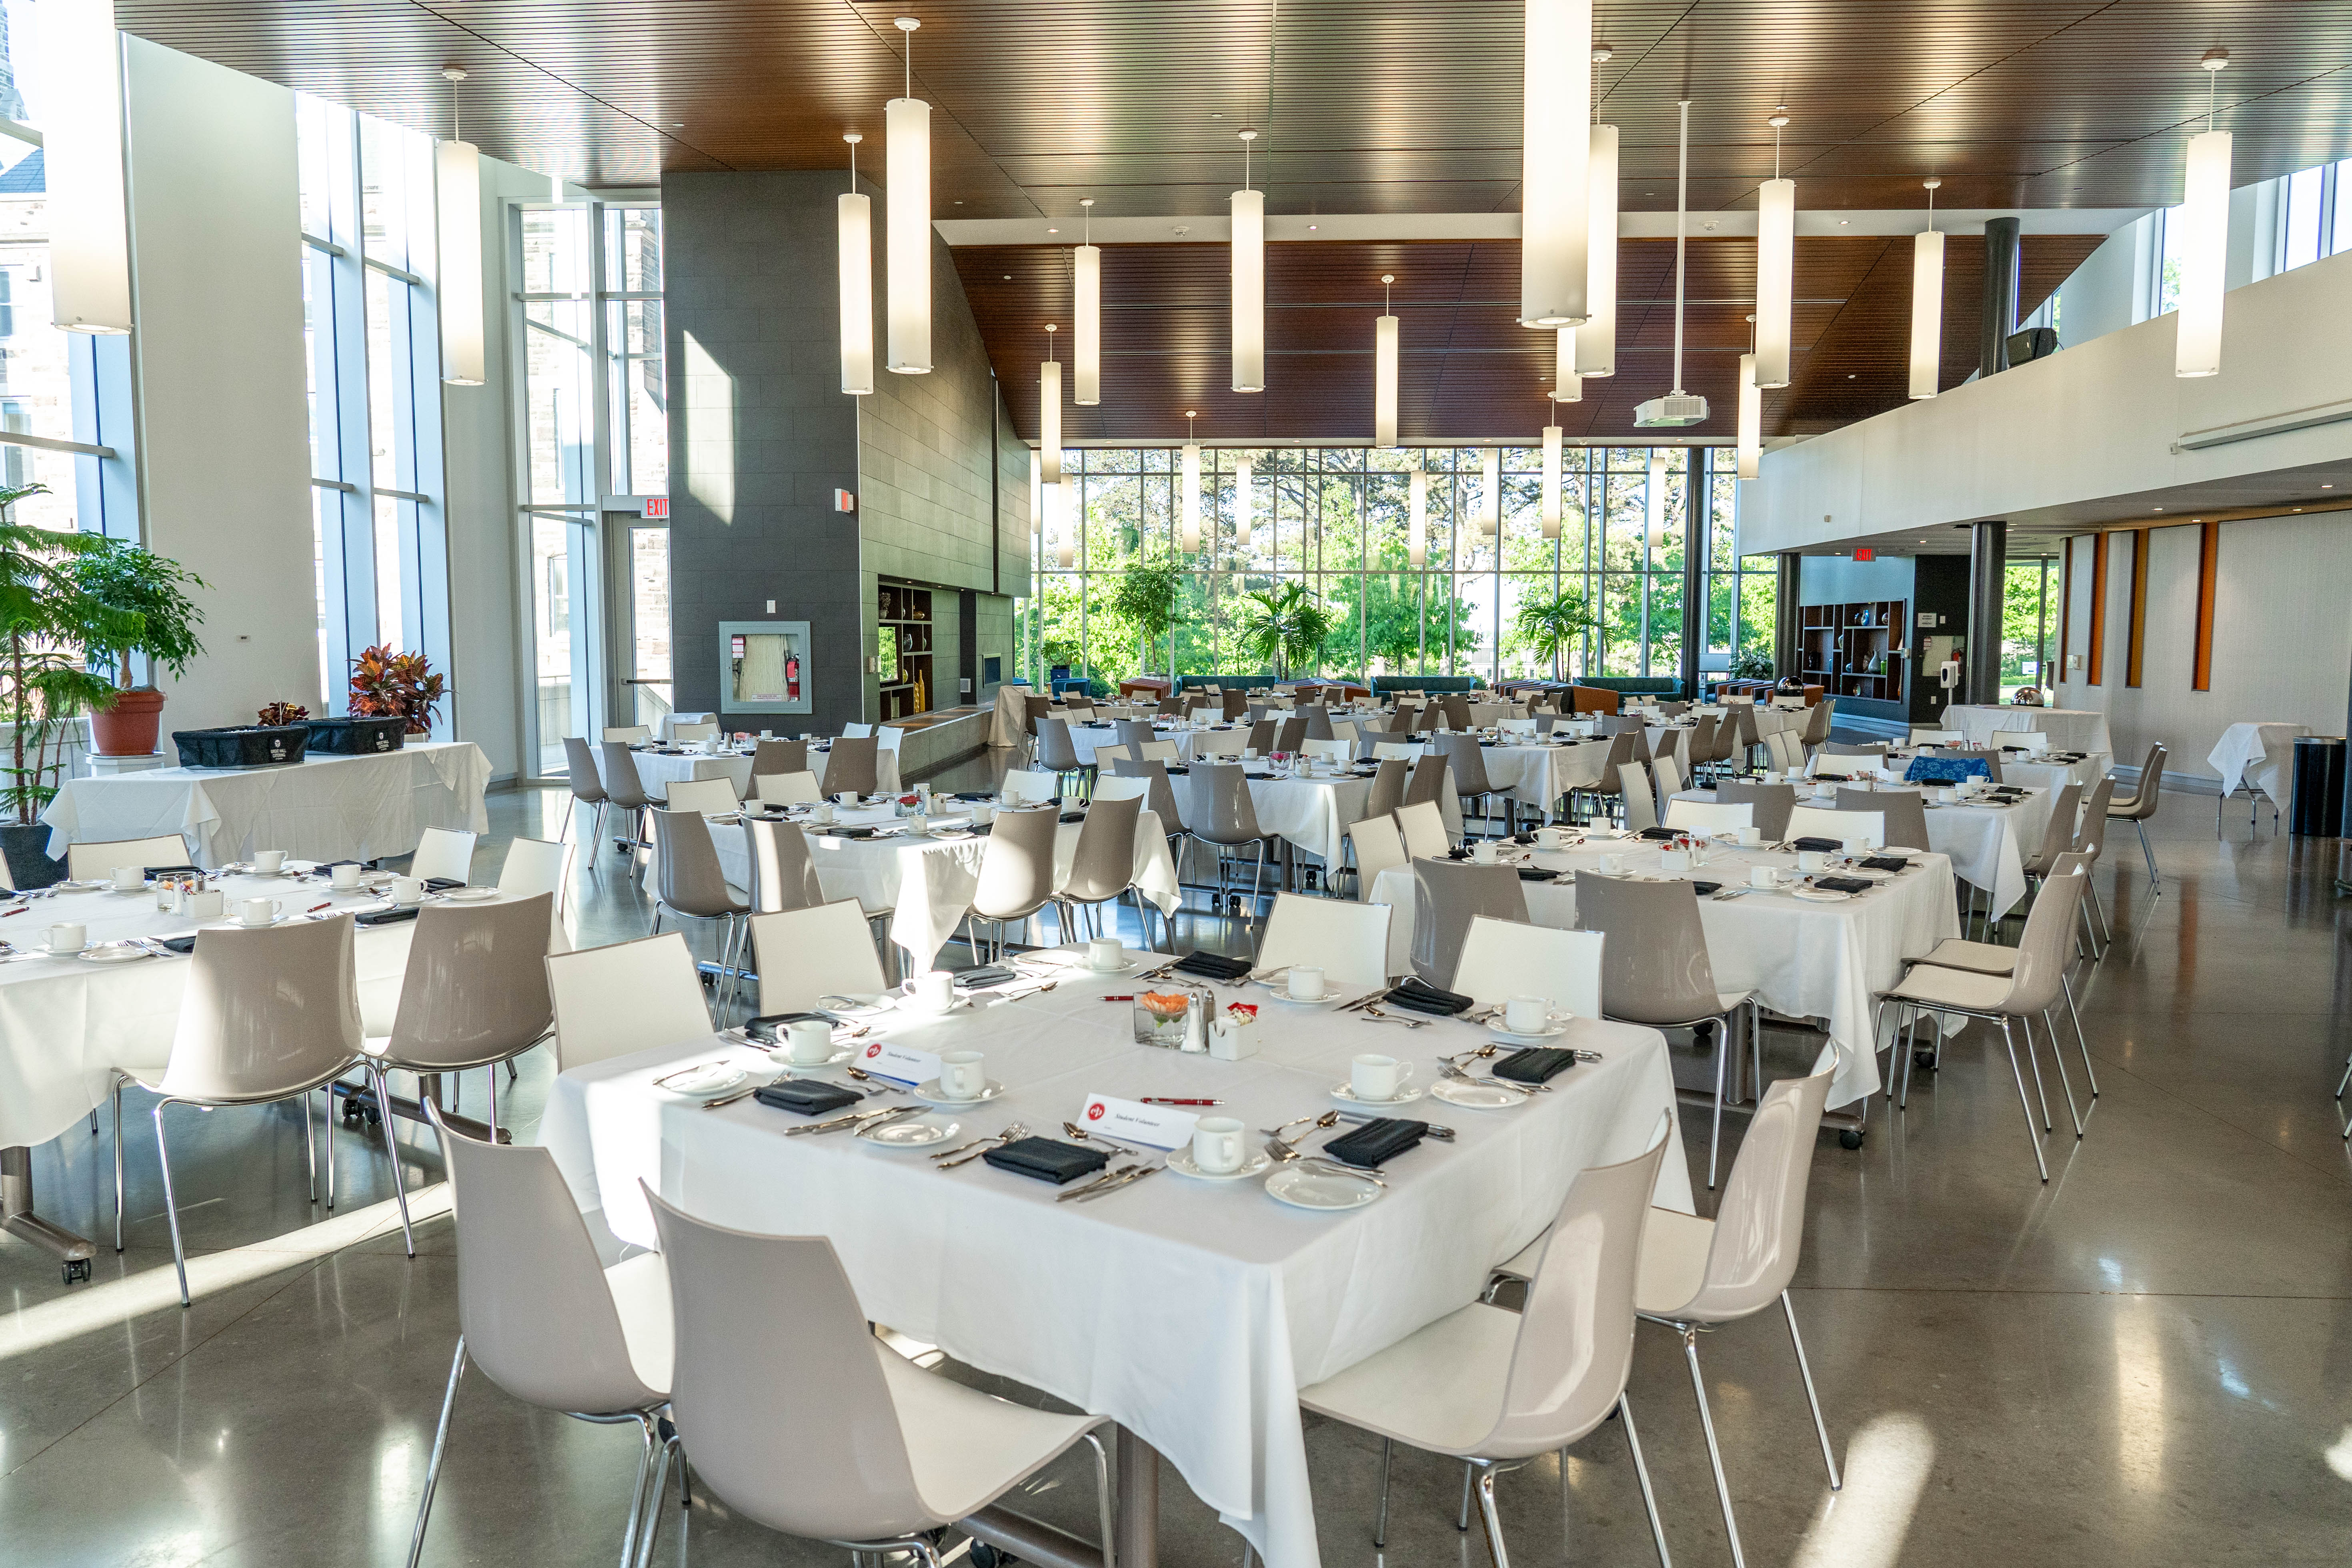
{"type": "Point", "coordinates": [1166, 1006]}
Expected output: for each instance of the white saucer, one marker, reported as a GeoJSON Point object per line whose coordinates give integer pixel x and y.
{"type": "Point", "coordinates": [114, 953]}
{"type": "Point", "coordinates": [927, 1091]}
{"type": "Point", "coordinates": [1479, 1094]}
{"type": "Point", "coordinates": [470, 895]}
{"type": "Point", "coordinates": [1820, 895]}
{"type": "Point", "coordinates": [1864, 874]}
{"type": "Point", "coordinates": [781, 1057]}
{"type": "Point", "coordinates": [1320, 1189]}
{"type": "Point", "coordinates": [1274, 988]}
{"type": "Point", "coordinates": [716, 1078]}
{"type": "Point", "coordinates": [861, 1003]}
{"type": "Point", "coordinates": [1559, 1027]}
{"type": "Point", "coordinates": [907, 1133]}
{"type": "Point", "coordinates": [1181, 1161]}
{"type": "Point", "coordinates": [1346, 1095]}
{"type": "Point", "coordinates": [240, 925]}
{"type": "Point", "coordinates": [914, 1013]}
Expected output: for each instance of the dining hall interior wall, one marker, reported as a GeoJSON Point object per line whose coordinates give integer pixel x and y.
{"type": "Point", "coordinates": [2282, 640]}
{"type": "Point", "coordinates": [223, 448]}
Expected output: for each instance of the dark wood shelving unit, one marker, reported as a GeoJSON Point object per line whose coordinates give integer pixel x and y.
{"type": "Point", "coordinates": [1855, 649]}
{"type": "Point", "coordinates": [904, 641]}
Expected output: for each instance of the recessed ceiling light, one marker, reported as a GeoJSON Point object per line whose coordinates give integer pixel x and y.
{"type": "Point", "coordinates": [2298, 509]}
{"type": "Point", "coordinates": [1053, 231]}
{"type": "Point", "coordinates": [1008, 278]}
{"type": "Point", "coordinates": [1216, 116]}
{"type": "Point", "coordinates": [1312, 226]}
{"type": "Point", "coordinates": [2160, 508]}
{"type": "Point", "coordinates": [2328, 487]}
{"type": "Point", "coordinates": [1842, 222]}
{"type": "Point", "coordinates": [1849, 376]}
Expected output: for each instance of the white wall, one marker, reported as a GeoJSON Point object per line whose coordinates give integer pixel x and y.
{"type": "Point", "coordinates": [224, 439]}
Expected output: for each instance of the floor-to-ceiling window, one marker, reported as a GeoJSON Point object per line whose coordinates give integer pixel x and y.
{"type": "Point", "coordinates": [2029, 623]}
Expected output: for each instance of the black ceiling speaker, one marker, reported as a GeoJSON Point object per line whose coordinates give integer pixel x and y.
{"type": "Point", "coordinates": [2034, 342]}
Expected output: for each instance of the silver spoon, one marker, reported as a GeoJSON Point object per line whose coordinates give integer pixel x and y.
{"type": "Point", "coordinates": [1282, 1148]}
{"type": "Point", "coordinates": [1083, 1136]}
{"type": "Point", "coordinates": [1378, 1016]}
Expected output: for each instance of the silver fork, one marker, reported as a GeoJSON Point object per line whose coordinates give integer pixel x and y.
{"type": "Point", "coordinates": [1283, 1148]}
{"type": "Point", "coordinates": [961, 1158]}
{"type": "Point", "coordinates": [1448, 1069]}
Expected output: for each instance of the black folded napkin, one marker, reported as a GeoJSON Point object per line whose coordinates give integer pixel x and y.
{"type": "Point", "coordinates": [806, 1097]}
{"type": "Point", "coordinates": [830, 832]}
{"type": "Point", "coordinates": [1376, 1140]}
{"type": "Point", "coordinates": [323, 865]}
{"type": "Point", "coordinates": [1533, 1066]}
{"type": "Point", "coordinates": [1704, 890]}
{"type": "Point", "coordinates": [974, 794]}
{"type": "Point", "coordinates": [1459, 852]}
{"type": "Point", "coordinates": [443, 884]}
{"type": "Point", "coordinates": [769, 1027]}
{"type": "Point", "coordinates": [1534, 874]}
{"type": "Point", "coordinates": [1073, 816]}
{"type": "Point", "coordinates": [1661, 833]}
{"type": "Point", "coordinates": [1213, 966]}
{"type": "Point", "coordinates": [179, 943]}
{"type": "Point", "coordinates": [1525, 837]}
{"type": "Point", "coordinates": [1046, 1160]}
{"type": "Point", "coordinates": [1177, 770]}
{"type": "Point", "coordinates": [1887, 863]}
{"type": "Point", "coordinates": [1842, 884]}
{"type": "Point", "coordinates": [155, 871]}
{"type": "Point", "coordinates": [390, 917]}
{"type": "Point", "coordinates": [1826, 845]}
{"type": "Point", "coordinates": [1420, 997]}
{"type": "Point", "coordinates": [990, 975]}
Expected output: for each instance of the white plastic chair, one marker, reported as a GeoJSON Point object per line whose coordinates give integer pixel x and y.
{"type": "Point", "coordinates": [787, 789]}
{"type": "Point", "coordinates": [1710, 813]}
{"type": "Point", "coordinates": [1787, 751]}
{"type": "Point", "coordinates": [1389, 750]}
{"type": "Point", "coordinates": [536, 866]}
{"type": "Point", "coordinates": [1826, 766]}
{"type": "Point", "coordinates": [1348, 942]}
{"type": "Point", "coordinates": [693, 730]}
{"type": "Point", "coordinates": [443, 852]}
{"type": "Point", "coordinates": [1929, 735]}
{"type": "Point", "coordinates": [1107, 755]}
{"type": "Point", "coordinates": [826, 950]}
{"type": "Point", "coordinates": [630, 996]}
{"type": "Point", "coordinates": [1641, 805]}
{"type": "Point", "coordinates": [101, 859]}
{"type": "Point", "coordinates": [1337, 751]}
{"type": "Point", "coordinates": [1108, 789]}
{"type": "Point", "coordinates": [712, 797]}
{"type": "Point", "coordinates": [1668, 771]}
{"type": "Point", "coordinates": [1502, 959]}
{"type": "Point", "coordinates": [628, 734]}
{"type": "Point", "coordinates": [1377, 846]}
{"type": "Point", "coordinates": [1423, 827]}
{"type": "Point", "coordinates": [1158, 751]}
{"type": "Point", "coordinates": [2033, 740]}
{"type": "Point", "coordinates": [1027, 788]}
{"type": "Point", "coordinates": [1820, 822]}
{"type": "Point", "coordinates": [857, 732]}
{"type": "Point", "coordinates": [888, 737]}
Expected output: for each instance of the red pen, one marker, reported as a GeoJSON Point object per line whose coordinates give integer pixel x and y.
{"type": "Point", "coordinates": [1155, 1100]}
{"type": "Point", "coordinates": [314, 909]}
{"type": "Point", "coordinates": [19, 909]}
{"type": "Point", "coordinates": [1107, 998]}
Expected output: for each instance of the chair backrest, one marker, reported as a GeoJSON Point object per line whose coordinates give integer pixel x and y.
{"type": "Point", "coordinates": [1620, 754]}
{"type": "Point", "coordinates": [268, 1012]}
{"type": "Point", "coordinates": [2036, 979]}
{"type": "Point", "coordinates": [620, 770]}
{"type": "Point", "coordinates": [1421, 824]}
{"type": "Point", "coordinates": [1016, 869]}
{"type": "Point", "coordinates": [1772, 802]}
{"type": "Point", "coordinates": [1104, 863]}
{"type": "Point", "coordinates": [444, 852]}
{"type": "Point", "coordinates": [710, 797]}
{"type": "Point", "coordinates": [1656, 968]}
{"type": "Point", "coordinates": [1702, 738]}
{"type": "Point", "coordinates": [2142, 805]}
{"type": "Point", "coordinates": [1903, 814]}
{"type": "Point", "coordinates": [1817, 721]}
{"type": "Point", "coordinates": [1669, 774]}
{"type": "Point", "coordinates": [1319, 723]}
{"type": "Point", "coordinates": [1395, 751]}
{"type": "Point", "coordinates": [1447, 896]}
{"type": "Point", "coordinates": [1162, 801]}
{"type": "Point", "coordinates": [855, 764]}
{"type": "Point", "coordinates": [787, 789]}
{"type": "Point", "coordinates": [1379, 846]}
{"type": "Point", "coordinates": [1934, 735]}
{"type": "Point", "coordinates": [1289, 735]}
{"type": "Point", "coordinates": [704, 730]}
{"type": "Point", "coordinates": [2091, 838]}
{"type": "Point", "coordinates": [1854, 749]}
{"type": "Point", "coordinates": [627, 734]}
{"type": "Point", "coordinates": [1575, 1340]}
{"type": "Point", "coordinates": [1457, 710]}
{"type": "Point", "coordinates": [1336, 751]}
{"type": "Point", "coordinates": [580, 771]}
{"type": "Point", "coordinates": [1715, 813]}
{"type": "Point", "coordinates": [1759, 1226]}
{"type": "Point", "coordinates": [2058, 832]}
{"type": "Point", "coordinates": [1035, 707]}
{"type": "Point", "coordinates": [782, 876]}
{"type": "Point", "coordinates": [1504, 958]}
{"type": "Point", "coordinates": [1787, 752]}
{"type": "Point", "coordinates": [630, 996]}
{"type": "Point", "coordinates": [779, 757]}
{"type": "Point", "coordinates": [1235, 701]}
{"type": "Point", "coordinates": [692, 880]}
{"type": "Point", "coordinates": [1989, 755]}
{"type": "Point", "coordinates": [1025, 785]}
{"type": "Point", "coordinates": [1055, 749]}
{"type": "Point", "coordinates": [817, 950]}
{"type": "Point", "coordinates": [818, 1393]}
{"type": "Point", "coordinates": [1828, 765]}
{"type": "Point", "coordinates": [1120, 788]}
{"type": "Point", "coordinates": [1220, 809]}
{"type": "Point", "coordinates": [1744, 725]}
{"type": "Point", "coordinates": [1468, 761]}
{"type": "Point", "coordinates": [1641, 806]}
{"type": "Point", "coordinates": [1261, 736]}
{"type": "Point", "coordinates": [1105, 755]}
{"type": "Point", "coordinates": [532, 1301]}
{"type": "Point", "coordinates": [1133, 733]}
{"type": "Point", "coordinates": [475, 989]}
{"type": "Point", "coordinates": [1834, 822]}
{"type": "Point", "coordinates": [1387, 786]}
{"type": "Point", "coordinates": [103, 857]}
{"type": "Point", "coordinates": [1428, 785]}
{"type": "Point", "coordinates": [887, 736]}
{"type": "Point", "coordinates": [536, 866]}
{"type": "Point", "coordinates": [857, 731]}
{"type": "Point", "coordinates": [2032, 740]}
{"type": "Point", "coordinates": [1348, 733]}
{"type": "Point", "coordinates": [1158, 751]}
{"type": "Point", "coordinates": [1348, 942]}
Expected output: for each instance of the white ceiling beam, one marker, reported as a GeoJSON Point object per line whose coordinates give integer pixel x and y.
{"type": "Point", "coordinates": [1361, 226]}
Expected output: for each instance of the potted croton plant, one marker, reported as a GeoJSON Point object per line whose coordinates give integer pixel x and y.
{"type": "Point", "coordinates": [144, 609]}
{"type": "Point", "coordinates": [388, 685]}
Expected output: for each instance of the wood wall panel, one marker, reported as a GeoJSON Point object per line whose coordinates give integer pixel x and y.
{"type": "Point", "coordinates": [2208, 576]}
{"type": "Point", "coordinates": [2136, 627]}
{"type": "Point", "coordinates": [2096, 674]}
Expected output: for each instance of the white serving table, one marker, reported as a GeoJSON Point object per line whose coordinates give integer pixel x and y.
{"type": "Point", "coordinates": [324, 807]}
{"type": "Point", "coordinates": [1192, 1312]}
{"type": "Point", "coordinates": [2069, 728]}
{"type": "Point", "coordinates": [2257, 754]}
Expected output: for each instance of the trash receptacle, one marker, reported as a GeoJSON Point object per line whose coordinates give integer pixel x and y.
{"type": "Point", "coordinates": [2319, 801]}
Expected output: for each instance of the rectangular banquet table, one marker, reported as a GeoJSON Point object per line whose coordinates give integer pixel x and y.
{"type": "Point", "coordinates": [657, 770]}
{"type": "Point", "coordinates": [1805, 960]}
{"type": "Point", "coordinates": [1309, 813]}
{"type": "Point", "coordinates": [1988, 844]}
{"type": "Point", "coordinates": [1190, 1312]}
{"type": "Point", "coordinates": [324, 807]}
{"type": "Point", "coordinates": [2074, 729]}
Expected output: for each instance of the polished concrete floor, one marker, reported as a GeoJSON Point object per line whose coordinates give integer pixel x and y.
{"type": "Point", "coordinates": [2144, 1362]}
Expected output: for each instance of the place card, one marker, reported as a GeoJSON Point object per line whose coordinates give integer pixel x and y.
{"type": "Point", "coordinates": [1162, 1126]}
{"type": "Point", "coordinates": [885, 1059]}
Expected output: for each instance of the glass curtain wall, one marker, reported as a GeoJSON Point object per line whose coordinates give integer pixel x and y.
{"type": "Point", "coordinates": [1336, 520]}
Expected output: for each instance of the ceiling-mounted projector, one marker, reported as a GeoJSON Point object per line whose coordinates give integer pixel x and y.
{"type": "Point", "coordinates": [1673, 408]}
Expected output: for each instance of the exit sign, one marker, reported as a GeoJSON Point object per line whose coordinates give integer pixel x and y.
{"type": "Point", "coordinates": [655, 506]}
{"type": "Point", "coordinates": [1859, 554]}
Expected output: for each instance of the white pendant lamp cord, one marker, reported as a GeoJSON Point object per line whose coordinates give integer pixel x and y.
{"type": "Point", "coordinates": [853, 139]}
{"type": "Point", "coordinates": [1682, 202]}
{"type": "Point", "coordinates": [1050, 330]}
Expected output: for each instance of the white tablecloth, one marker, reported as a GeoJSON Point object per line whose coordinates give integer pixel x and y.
{"type": "Point", "coordinates": [2257, 754]}
{"type": "Point", "coordinates": [2057, 775]}
{"type": "Point", "coordinates": [930, 882]}
{"type": "Point", "coordinates": [656, 770]}
{"type": "Point", "coordinates": [1539, 776]}
{"type": "Point", "coordinates": [1190, 1312]}
{"type": "Point", "coordinates": [1311, 815]}
{"type": "Point", "coordinates": [2069, 729]}
{"type": "Point", "coordinates": [324, 807]}
{"type": "Point", "coordinates": [1805, 960]}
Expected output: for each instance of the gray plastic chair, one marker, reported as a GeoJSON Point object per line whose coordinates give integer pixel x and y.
{"type": "Point", "coordinates": [1135, 735]}
{"type": "Point", "coordinates": [881, 1452]}
{"type": "Point", "coordinates": [1818, 719]}
{"type": "Point", "coordinates": [779, 757]}
{"type": "Point", "coordinates": [1261, 735]}
{"type": "Point", "coordinates": [1746, 736]}
{"type": "Point", "coordinates": [1905, 809]}
{"type": "Point", "coordinates": [2091, 842]}
{"type": "Point", "coordinates": [474, 994]}
{"type": "Point", "coordinates": [1772, 802]}
{"type": "Point", "coordinates": [1655, 969]}
{"type": "Point", "coordinates": [2057, 834]}
{"type": "Point", "coordinates": [1388, 787]}
{"type": "Point", "coordinates": [587, 789]}
{"type": "Point", "coordinates": [1235, 702]}
{"type": "Point", "coordinates": [1699, 748]}
{"type": "Point", "coordinates": [1428, 783]}
{"type": "Point", "coordinates": [1457, 710]}
{"type": "Point", "coordinates": [1852, 749]}
{"type": "Point", "coordinates": [856, 764]}
{"type": "Point", "coordinates": [623, 789]}
{"type": "Point", "coordinates": [2141, 806]}
{"type": "Point", "coordinates": [783, 875]}
{"type": "Point", "coordinates": [1016, 869]}
{"type": "Point", "coordinates": [693, 884]}
{"type": "Point", "coordinates": [1597, 796]}
{"type": "Point", "coordinates": [1447, 896]}
{"type": "Point", "coordinates": [1319, 723]}
{"type": "Point", "coordinates": [1291, 733]}
{"type": "Point", "coordinates": [1161, 802]}
{"type": "Point", "coordinates": [1634, 790]}
{"type": "Point", "coordinates": [1222, 816]}
{"type": "Point", "coordinates": [1468, 761]}
{"type": "Point", "coordinates": [1102, 868]}
{"type": "Point", "coordinates": [545, 1320]}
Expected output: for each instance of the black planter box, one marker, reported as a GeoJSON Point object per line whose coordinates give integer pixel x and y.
{"type": "Point", "coordinates": [243, 746]}
{"type": "Point", "coordinates": [357, 737]}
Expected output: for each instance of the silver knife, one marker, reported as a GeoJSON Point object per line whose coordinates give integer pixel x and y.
{"type": "Point", "coordinates": [834, 1124]}
{"type": "Point", "coordinates": [1128, 1180]}
{"type": "Point", "coordinates": [1083, 1188]}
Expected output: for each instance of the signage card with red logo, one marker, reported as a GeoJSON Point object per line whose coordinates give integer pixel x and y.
{"type": "Point", "coordinates": [886, 1060]}
{"type": "Point", "coordinates": [1162, 1126]}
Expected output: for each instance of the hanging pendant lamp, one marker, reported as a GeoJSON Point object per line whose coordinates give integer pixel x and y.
{"type": "Point", "coordinates": [1555, 112]}
{"type": "Point", "coordinates": [853, 218]}
{"type": "Point", "coordinates": [90, 232]}
{"type": "Point", "coordinates": [1249, 281]}
{"type": "Point", "coordinates": [1188, 492]}
{"type": "Point", "coordinates": [1085, 329]}
{"type": "Point", "coordinates": [2205, 226]}
{"type": "Point", "coordinates": [1490, 499]}
{"type": "Point", "coordinates": [1416, 519]}
{"type": "Point", "coordinates": [1384, 370]}
{"type": "Point", "coordinates": [1776, 232]}
{"type": "Point", "coordinates": [458, 204]}
{"type": "Point", "coordinates": [907, 146]}
{"type": "Point", "coordinates": [1928, 303]}
{"type": "Point", "coordinates": [1567, 386]}
{"type": "Point", "coordinates": [1550, 500]}
{"type": "Point", "coordinates": [1049, 412]}
{"type": "Point", "coordinates": [1596, 341]}
{"type": "Point", "coordinates": [1751, 419]}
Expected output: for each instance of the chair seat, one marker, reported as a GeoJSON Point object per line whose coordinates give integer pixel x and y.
{"type": "Point", "coordinates": [640, 1288]}
{"type": "Point", "coordinates": [1671, 1269]}
{"type": "Point", "coordinates": [967, 1449]}
{"type": "Point", "coordinates": [1724, 1001]}
{"type": "Point", "coordinates": [1976, 957]}
{"type": "Point", "coordinates": [1439, 1389]}
{"type": "Point", "coordinates": [1953, 988]}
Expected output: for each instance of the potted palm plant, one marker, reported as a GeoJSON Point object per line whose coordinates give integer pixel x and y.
{"type": "Point", "coordinates": [1283, 626]}
{"type": "Point", "coordinates": [1548, 624]}
{"type": "Point", "coordinates": [128, 578]}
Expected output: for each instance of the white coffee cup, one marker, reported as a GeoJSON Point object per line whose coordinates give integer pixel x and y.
{"type": "Point", "coordinates": [820, 811]}
{"type": "Point", "coordinates": [963, 1075]}
{"type": "Point", "coordinates": [982, 813]}
{"type": "Point", "coordinates": [1526, 1014]}
{"type": "Point", "coordinates": [1810, 861]}
{"type": "Point", "coordinates": [847, 797]}
{"type": "Point", "coordinates": [809, 1041]}
{"type": "Point", "coordinates": [767, 734]}
{"type": "Point", "coordinates": [1857, 846]}
{"type": "Point", "coordinates": [933, 992]}
{"type": "Point", "coordinates": [1105, 953]}
{"type": "Point", "coordinates": [1611, 864]}
{"type": "Point", "coordinates": [344, 879]}
{"type": "Point", "coordinates": [1763, 877]}
{"type": "Point", "coordinates": [1483, 853]}
{"type": "Point", "coordinates": [1749, 837]}
{"type": "Point", "coordinates": [1674, 860]}
{"type": "Point", "coordinates": [1217, 1145]}
{"type": "Point", "coordinates": [1304, 983]}
{"type": "Point", "coordinates": [1375, 1078]}
{"type": "Point", "coordinates": [130, 878]}
{"type": "Point", "coordinates": [1774, 776]}
{"type": "Point", "coordinates": [407, 891]}
{"type": "Point", "coordinates": [258, 912]}
{"type": "Point", "coordinates": [269, 862]}
{"type": "Point", "coordinates": [209, 905]}
{"type": "Point", "coordinates": [1946, 795]}
{"type": "Point", "coordinates": [1551, 837]}
{"type": "Point", "coordinates": [69, 937]}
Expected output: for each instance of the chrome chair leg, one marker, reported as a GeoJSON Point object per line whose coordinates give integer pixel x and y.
{"type": "Point", "coordinates": [1641, 1474]}
{"type": "Point", "coordinates": [1469, 1473]}
{"type": "Point", "coordinates": [392, 1147]}
{"type": "Point", "coordinates": [1381, 1526]}
{"type": "Point", "coordinates": [1103, 1496]}
{"type": "Point", "coordinates": [1714, 1453]}
{"type": "Point", "coordinates": [309, 1142]}
{"type": "Point", "coordinates": [1722, 1061]}
{"type": "Point", "coordinates": [641, 1550]}
{"type": "Point", "coordinates": [2033, 1137]}
{"type": "Point", "coordinates": [638, 1498]}
{"type": "Point", "coordinates": [2033, 1061]}
{"type": "Point", "coordinates": [118, 1160]}
{"type": "Point", "coordinates": [2065, 1084]}
{"type": "Point", "coordinates": [1805, 1370]}
{"type": "Point", "coordinates": [2082, 1040]}
{"type": "Point", "coordinates": [440, 1447]}
{"type": "Point", "coordinates": [1492, 1517]}
{"type": "Point", "coordinates": [2154, 879]}
{"type": "Point", "coordinates": [171, 1205]}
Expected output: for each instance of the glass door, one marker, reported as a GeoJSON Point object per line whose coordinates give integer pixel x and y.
{"type": "Point", "coordinates": [645, 652]}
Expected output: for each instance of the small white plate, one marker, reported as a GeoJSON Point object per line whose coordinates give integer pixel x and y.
{"type": "Point", "coordinates": [1320, 1189]}
{"type": "Point", "coordinates": [1864, 874]}
{"type": "Point", "coordinates": [114, 953]}
{"type": "Point", "coordinates": [1900, 850]}
{"type": "Point", "coordinates": [281, 920]}
{"type": "Point", "coordinates": [859, 1004]}
{"type": "Point", "coordinates": [470, 895]}
{"type": "Point", "coordinates": [1346, 1095]}
{"type": "Point", "coordinates": [1274, 988]}
{"type": "Point", "coordinates": [713, 1077]}
{"type": "Point", "coordinates": [781, 1057]}
{"type": "Point", "coordinates": [1820, 895]}
{"type": "Point", "coordinates": [907, 1133]}
{"type": "Point", "coordinates": [1181, 1161]}
{"type": "Point", "coordinates": [1560, 1022]}
{"type": "Point", "coordinates": [927, 1091]}
{"type": "Point", "coordinates": [1479, 1094]}
{"type": "Point", "coordinates": [913, 1013]}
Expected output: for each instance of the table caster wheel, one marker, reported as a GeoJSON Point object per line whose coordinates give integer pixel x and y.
{"type": "Point", "coordinates": [77, 1268]}
{"type": "Point", "coordinates": [1851, 1138]}
{"type": "Point", "coordinates": [1924, 1058]}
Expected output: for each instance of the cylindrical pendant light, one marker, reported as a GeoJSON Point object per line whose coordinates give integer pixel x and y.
{"type": "Point", "coordinates": [1249, 281]}
{"type": "Point", "coordinates": [1751, 419]}
{"type": "Point", "coordinates": [1188, 495]}
{"type": "Point", "coordinates": [906, 131]}
{"type": "Point", "coordinates": [2205, 235]}
{"type": "Point", "coordinates": [1085, 331]}
{"type": "Point", "coordinates": [1384, 370]}
{"type": "Point", "coordinates": [90, 243]}
{"type": "Point", "coordinates": [1550, 503]}
{"type": "Point", "coordinates": [1049, 417]}
{"type": "Point", "coordinates": [1072, 523]}
{"type": "Point", "coordinates": [1555, 209]}
{"type": "Point", "coordinates": [1245, 503]}
{"type": "Point", "coordinates": [1654, 498]}
{"type": "Point", "coordinates": [1928, 303]}
{"type": "Point", "coordinates": [1776, 240]}
{"type": "Point", "coordinates": [1567, 386]}
{"type": "Point", "coordinates": [457, 203]}
{"type": "Point", "coordinates": [1490, 500]}
{"type": "Point", "coordinates": [1596, 341]}
{"type": "Point", "coordinates": [1416, 515]}
{"type": "Point", "coordinates": [854, 217]}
